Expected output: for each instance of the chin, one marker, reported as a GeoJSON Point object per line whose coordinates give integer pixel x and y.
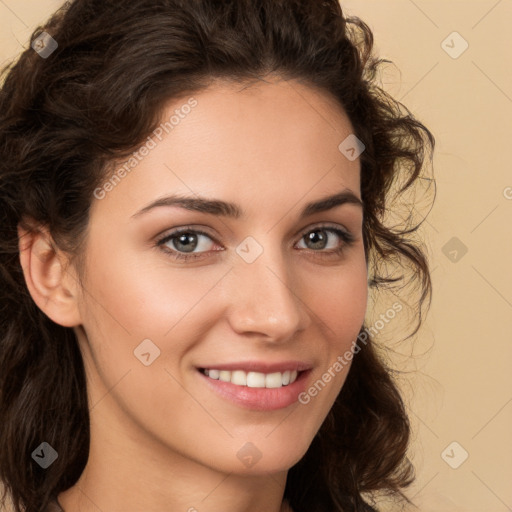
{"type": "Point", "coordinates": [261, 457]}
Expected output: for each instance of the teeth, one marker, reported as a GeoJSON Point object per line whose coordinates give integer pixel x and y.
{"type": "Point", "coordinates": [254, 379]}
{"type": "Point", "coordinates": [239, 378]}
{"type": "Point", "coordinates": [225, 376]}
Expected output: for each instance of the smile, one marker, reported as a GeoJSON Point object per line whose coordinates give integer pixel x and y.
{"type": "Point", "coordinates": [253, 379]}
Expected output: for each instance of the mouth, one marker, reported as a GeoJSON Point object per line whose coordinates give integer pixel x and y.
{"type": "Point", "coordinates": [253, 379]}
{"type": "Point", "coordinates": [257, 386]}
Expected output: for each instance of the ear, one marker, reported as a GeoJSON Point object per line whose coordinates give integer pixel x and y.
{"type": "Point", "coordinates": [52, 285]}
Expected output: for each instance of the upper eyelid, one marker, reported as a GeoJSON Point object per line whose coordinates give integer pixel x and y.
{"type": "Point", "coordinates": [199, 230]}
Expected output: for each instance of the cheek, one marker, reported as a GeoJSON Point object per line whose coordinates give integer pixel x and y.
{"type": "Point", "coordinates": [339, 303]}
{"type": "Point", "coordinates": [129, 303]}
{"type": "Point", "coordinates": [148, 300]}
{"type": "Point", "coordinates": [340, 307]}
{"type": "Point", "coordinates": [131, 310]}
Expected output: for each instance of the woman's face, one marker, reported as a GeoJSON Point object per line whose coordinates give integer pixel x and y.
{"type": "Point", "coordinates": [271, 290]}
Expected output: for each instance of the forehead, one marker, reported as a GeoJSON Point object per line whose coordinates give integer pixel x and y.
{"type": "Point", "coordinates": [254, 113]}
{"type": "Point", "coordinates": [269, 140]}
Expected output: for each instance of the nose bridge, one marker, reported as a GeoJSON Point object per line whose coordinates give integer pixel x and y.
{"type": "Point", "coordinates": [264, 299]}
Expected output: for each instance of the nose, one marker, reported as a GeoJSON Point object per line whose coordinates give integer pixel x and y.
{"type": "Point", "coordinates": [265, 300]}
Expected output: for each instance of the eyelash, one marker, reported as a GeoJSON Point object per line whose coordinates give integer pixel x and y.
{"type": "Point", "coordinates": [347, 238]}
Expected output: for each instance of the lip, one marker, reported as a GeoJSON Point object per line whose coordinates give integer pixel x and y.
{"type": "Point", "coordinates": [259, 399]}
{"type": "Point", "coordinates": [260, 366]}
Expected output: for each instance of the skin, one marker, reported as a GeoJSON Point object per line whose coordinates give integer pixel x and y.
{"type": "Point", "coordinates": [160, 438]}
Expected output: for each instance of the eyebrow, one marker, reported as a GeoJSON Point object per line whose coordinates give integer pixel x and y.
{"type": "Point", "coordinates": [232, 210]}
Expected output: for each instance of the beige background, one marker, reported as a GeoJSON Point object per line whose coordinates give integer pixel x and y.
{"type": "Point", "coordinates": [460, 387]}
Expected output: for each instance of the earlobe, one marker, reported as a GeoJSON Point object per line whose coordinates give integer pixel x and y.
{"type": "Point", "coordinates": [52, 287]}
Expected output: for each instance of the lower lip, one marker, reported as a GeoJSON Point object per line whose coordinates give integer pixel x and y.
{"type": "Point", "coordinates": [259, 399]}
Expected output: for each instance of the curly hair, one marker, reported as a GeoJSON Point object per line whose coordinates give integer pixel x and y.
{"type": "Point", "coordinates": [64, 118]}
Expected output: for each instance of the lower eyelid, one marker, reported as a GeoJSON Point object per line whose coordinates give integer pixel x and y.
{"type": "Point", "coordinates": [346, 239]}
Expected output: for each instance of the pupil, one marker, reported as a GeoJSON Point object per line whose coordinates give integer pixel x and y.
{"type": "Point", "coordinates": [317, 239]}
{"type": "Point", "coordinates": [182, 239]}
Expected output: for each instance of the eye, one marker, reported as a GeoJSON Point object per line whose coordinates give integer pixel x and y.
{"type": "Point", "coordinates": [186, 243]}
{"type": "Point", "coordinates": [189, 244]}
{"type": "Point", "coordinates": [324, 237]}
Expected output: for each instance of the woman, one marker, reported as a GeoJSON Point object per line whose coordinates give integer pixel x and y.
{"type": "Point", "coordinates": [193, 198]}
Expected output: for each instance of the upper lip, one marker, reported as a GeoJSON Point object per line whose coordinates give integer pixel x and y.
{"type": "Point", "coordinates": [261, 366]}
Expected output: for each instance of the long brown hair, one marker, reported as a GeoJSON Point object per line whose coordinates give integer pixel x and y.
{"type": "Point", "coordinates": [67, 114]}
